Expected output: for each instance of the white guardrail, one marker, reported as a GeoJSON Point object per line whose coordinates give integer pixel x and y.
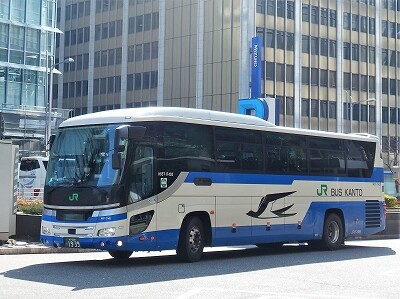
{"type": "Point", "coordinates": [30, 193]}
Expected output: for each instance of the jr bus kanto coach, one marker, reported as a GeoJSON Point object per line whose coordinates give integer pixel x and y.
{"type": "Point", "coordinates": [144, 179]}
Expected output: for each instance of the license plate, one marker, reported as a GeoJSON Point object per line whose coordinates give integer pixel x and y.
{"type": "Point", "coordinates": [72, 243]}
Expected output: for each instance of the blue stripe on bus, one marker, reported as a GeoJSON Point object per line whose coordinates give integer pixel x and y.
{"type": "Point", "coordinates": [311, 228]}
{"type": "Point", "coordinates": [248, 178]}
{"type": "Point", "coordinates": [99, 219]}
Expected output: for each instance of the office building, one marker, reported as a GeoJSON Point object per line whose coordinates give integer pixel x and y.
{"type": "Point", "coordinates": [332, 64]}
{"type": "Point", "coordinates": [27, 44]}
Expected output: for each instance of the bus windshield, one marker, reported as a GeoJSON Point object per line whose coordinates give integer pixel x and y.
{"type": "Point", "coordinates": [82, 156]}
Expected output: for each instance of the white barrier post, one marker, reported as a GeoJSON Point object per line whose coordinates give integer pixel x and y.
{"type": "Point", "coordinates": [8, 188]}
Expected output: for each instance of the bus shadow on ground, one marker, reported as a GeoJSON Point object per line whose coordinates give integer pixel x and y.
{"type": "Point", "coordinates": [88, 274]}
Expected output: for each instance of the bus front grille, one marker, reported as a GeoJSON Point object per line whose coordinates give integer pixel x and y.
{"type": "Point", "coordinates": [372, 213]}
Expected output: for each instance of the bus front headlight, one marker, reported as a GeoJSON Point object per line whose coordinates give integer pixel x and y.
{"type": "Point", "coordinates": [106, 232]}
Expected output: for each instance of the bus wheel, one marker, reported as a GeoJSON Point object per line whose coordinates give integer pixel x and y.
{"type": "Point", "coordinates": [120, 255]}
{"type": "Point", "coordinates": [191, 240]}
{"type": "Point", "coordinates": [333, 234]}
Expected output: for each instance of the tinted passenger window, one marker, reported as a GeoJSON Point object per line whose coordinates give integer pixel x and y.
{"type": "Point", "coordinates": [238, 150]}
{"type": "Point", "coordinates": [286, 153]}
{"type": "Point", "coordinates": [327, 156]}
{"type": "Point", "coordinates": [185, 147]}
{"type": "Point", "coordinates": [360, 158]}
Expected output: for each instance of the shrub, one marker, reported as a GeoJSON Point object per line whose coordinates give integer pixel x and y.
{"type": "Point", "coordinates": [391, 201]}
{"type": "Point", "coordinates": [30, 206]}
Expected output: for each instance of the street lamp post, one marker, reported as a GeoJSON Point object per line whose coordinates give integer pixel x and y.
{"type": "Point", "coordinates": [49, 87]}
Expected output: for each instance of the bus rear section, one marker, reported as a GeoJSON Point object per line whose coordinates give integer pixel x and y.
{"type": "Point", "coordinates": [31, 177]}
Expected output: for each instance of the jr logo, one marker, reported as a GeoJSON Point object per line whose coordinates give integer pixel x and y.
{"type": "Point", "coordinates": [73, 197]}
{"type": "Point", "coordinates": [323, 190]}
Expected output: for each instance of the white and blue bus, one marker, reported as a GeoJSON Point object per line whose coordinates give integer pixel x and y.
{"type": "Point", "coordinates": [144, 179]}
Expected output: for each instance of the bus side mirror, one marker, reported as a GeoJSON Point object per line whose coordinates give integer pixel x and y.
{"type": "Point", "coordinates": [124, 132]}
{"type": "Point", "coordinates": [51, 141]}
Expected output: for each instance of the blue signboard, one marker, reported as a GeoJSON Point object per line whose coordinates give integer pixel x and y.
{"type": "Point", "coordinates": [256, 67]}
{"type": "Point", "coordinates": [267, 108]}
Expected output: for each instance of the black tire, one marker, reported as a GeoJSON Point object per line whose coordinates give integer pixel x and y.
{"type": "Point", "coordinates": [120, 254]}
{"type": "Point", "coordinates": [191, 240]}
{"type": "Point", "coordinates": [333, 233]}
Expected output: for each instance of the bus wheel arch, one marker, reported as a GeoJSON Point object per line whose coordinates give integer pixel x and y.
{"type": "Point", "coordinates": [333, 229]}
{"type": "Point", "coordinates": [195, 234]}
{"type": "Point", "coordinates": [120, 254]}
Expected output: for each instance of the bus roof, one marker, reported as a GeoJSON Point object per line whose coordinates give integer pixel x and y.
{"type": "Point", "coordinates": [163, 114]}
{"type": "Point", "coordinates": [197, 116]}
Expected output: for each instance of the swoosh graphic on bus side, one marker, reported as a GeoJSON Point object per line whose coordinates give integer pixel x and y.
{"type": "Point", "coordinates": [271, 198]}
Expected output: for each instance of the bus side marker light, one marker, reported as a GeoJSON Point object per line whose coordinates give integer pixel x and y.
{"type": "Point", "coordinates": [268, 227]}
{"type": "Point", "coordinates": [233, 230]}
{"type": "Point", "coordinates": [102, 244]}
{"type": "Point", "coordinates": [152, 238]}
{"type": "Point", "coordinates": [212, 212]}
{"type": "Point", "coordinates": [119, 243]}
{"type": "Point", "coordinates": [142, 238]}
{"type": "Point", "coordinates": [298, 224]}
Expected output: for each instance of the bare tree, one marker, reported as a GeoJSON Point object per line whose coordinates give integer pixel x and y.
{"type": "Point", "coordinates": [390, 151]}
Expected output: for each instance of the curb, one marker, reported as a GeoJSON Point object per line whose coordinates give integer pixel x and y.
{"type": "Point", "coordinates": [39, 249]}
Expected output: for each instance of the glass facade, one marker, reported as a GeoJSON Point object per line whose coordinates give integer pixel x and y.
{"type": "Point", "coordinates": [332, 64]}
{"type": "Point", "coordinates": [27, 29]}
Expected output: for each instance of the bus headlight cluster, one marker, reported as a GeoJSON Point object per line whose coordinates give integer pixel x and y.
{"type": "Point", "coordinates": [106, 232]}
{"type": "Point", "coordinates": [45, 230]}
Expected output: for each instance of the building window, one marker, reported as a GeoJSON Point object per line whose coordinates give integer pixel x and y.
{"type": "Point", "coordinates": [346, 20]}
{"type": "Point", "coordinates": [354, 22]}
{"type": "Point", "coordinates": [280, 40]}
{"type": "Point", "coordinates": [314, 108]}
{"type": "Point", "coordinates": [324, 78]}
{"type": "Point", "coordinates": [147, 22]}
{"type": "Point", "coordinates": [305, 9]}
{"type": "Point", "coordinates": [131, 25]}
{"type": "Point", "coordinates": [290, 10]}
{"type": "Point", "coordinates": [354, 52]}
{"type": "Point", "coordinates": [332, 110]}
{"type": "Point", "coordinates": [314, 76]}
{"type": "Point", "coordinates": [314, 14]}
{"type": "Point", "coordinates": [270, 71]}
{"type": "Point", "coordinates": [138, 81]}
{"type": "Point", "coordinates": [280, 72]}
{"type": "Point", "coordinates": [314, 46]}
{"type": "Point", "coordinates": [324, 16]}
{"type": "Point", "coordinates": [346, 50]}
{"type": "Point", "coordinates": [289, 73]}
{"type": "Point", "coordinates": [305, 107]}
{"type": "Point", "coordinates": [139, 23]}
{"type": "Point", "coordinates": [332, 79]}
{"type": "Point", "coordinates": [305, 76]}
{"type": "Point", "coordinates": [332, 48]}
{"type": "Point", "coordinates": [138, 52]}
{"type": "Point", "coordinates": [354, 82]}
{"type": "Point", "coordinates": [289, 41]}
{"type": "Point", "coordinates": [270, 40]}
{"type": "Point", "coordinates": [332, 18]}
